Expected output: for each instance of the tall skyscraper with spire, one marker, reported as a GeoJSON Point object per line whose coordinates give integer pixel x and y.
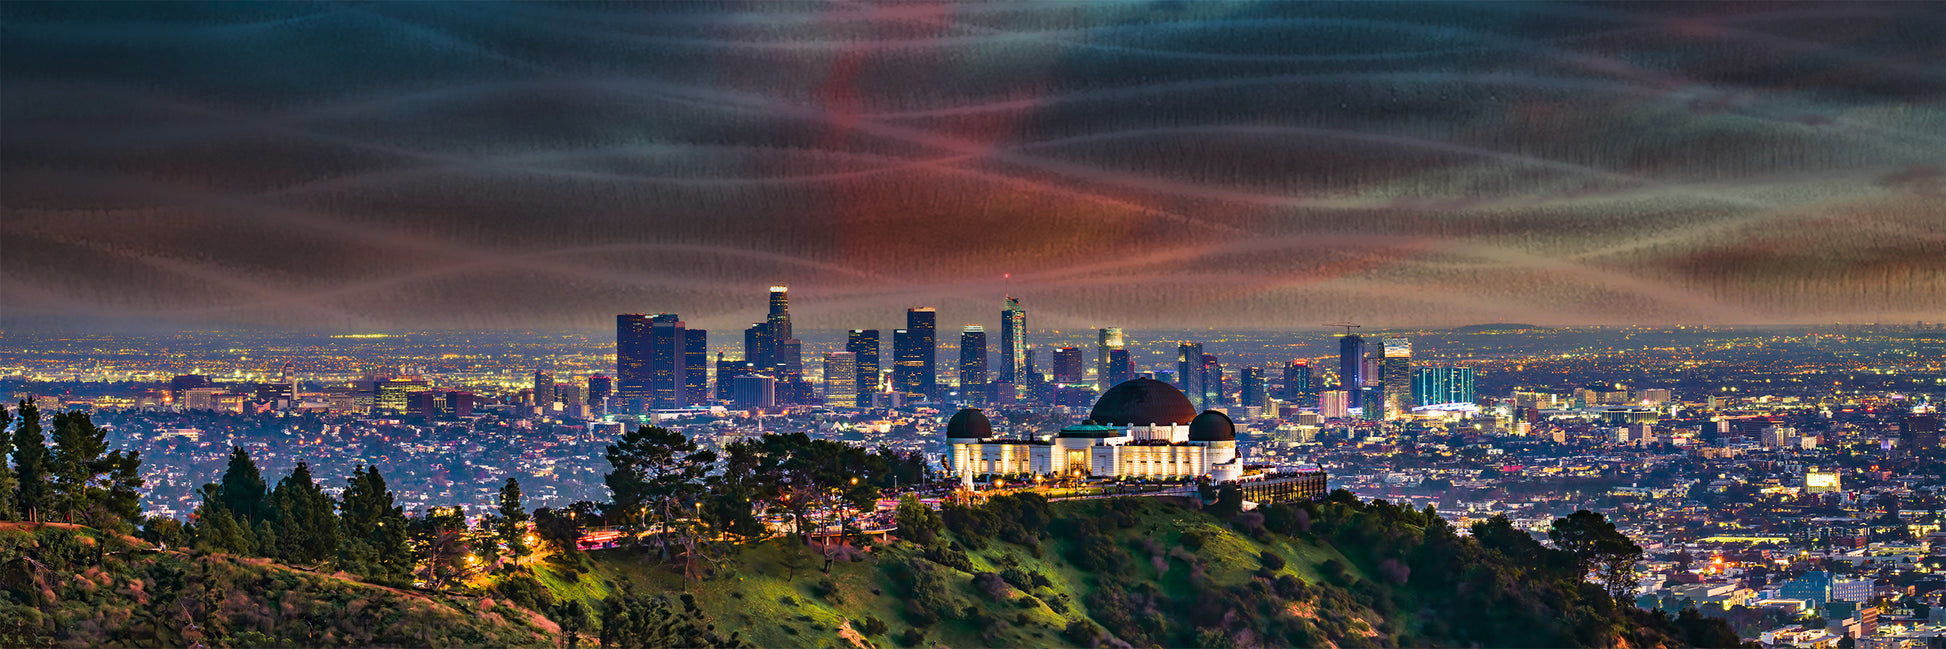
{"type": "Point", "coordinates": [1110, 339]}
{"type": "Point", "coordinates": [1013, 344]}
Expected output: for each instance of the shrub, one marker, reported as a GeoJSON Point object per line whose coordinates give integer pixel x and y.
{"type": "Point", "coordinates": [828, 590]}
{"type": "Point", "coordinates": [1195, 538]}
{"type": "Point", "coordinates": [1271, 560]}
{"type": "Point", "coordinates": [1082, 633]}
{"type": "Point", "coordinates": [990, 584]}
{"type": "Point", "coordinates": [873, 626]}
{"type": "Point", "coordinates": [912, 638]}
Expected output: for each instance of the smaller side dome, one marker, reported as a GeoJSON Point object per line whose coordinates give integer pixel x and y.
{"type": "Point", "coordinates": [969, 424]}
{"type": "Point", "coordinates": [1212, 426]}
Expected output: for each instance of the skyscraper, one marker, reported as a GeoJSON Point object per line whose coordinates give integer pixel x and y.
{"type": "Point", "coordinates": [841, 379]}
{"type": "Point", "coordinates": [1189, 372]}
{"type": "Point", "coordinates": [1013, 343]}
{"type": "Point", "coordinates": [778, 322]}
{"type": "Point", "coordinates": [1109, 340]}
{"type": "Point", "coordinates": [1432, 386]}
{"type": "Point", "coordinates": [922, 323]}
{"type": "Point", "coordinates": [906, 364]}
{"type": "Point", "coordinates": [1119, 368]}
{"type": "Point", "coordinates": [756, 345]}
{"type": "Point", "coordinates": [1067, 365]}
{"type": "Point", "coordinates": [543, 388]}
{"type": "Point", "coordinates": [1300, 388]}
{"type": "Point", "coordinates": [1253, 387]}
{"type": "Point", "coordinates": [668, 360]}
{"type": "Point", "coordinates": [1351, 368]}
{"type": "Point", "coordinates": [695, 382]}
{"type": "Point", "coordinates": [972, 361]}
{"type": "Point", "coordinates": [632, 356]}
{"type": "Point", "coordinates": [600, 388]}
{"type": "Point", "coordinates": [726, 373]}
{"type": "Point", "coordinates": [1398, 375]}
{"type": "Point", "coordinates": [1214, 391]}
{"type": "Point", "coordinates": [864, 343]}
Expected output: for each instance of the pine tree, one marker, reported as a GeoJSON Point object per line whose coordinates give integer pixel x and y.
{"type": "Point", "coordinates": [374, 530]}
{"type": "Point", "coordinates": [30, 463]}
{"type": "Point", "coordinates": [512, 522]}
{"type": "Point", "coordinates": [78, 447]}
{"type": "Point", "coordinates": [7, 483]}
{"type": "Point", "coordinates": [306, 525]}
{"type": "Point", "coordinates": [242, 490]}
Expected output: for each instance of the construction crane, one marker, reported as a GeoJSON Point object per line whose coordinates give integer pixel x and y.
{"type": "Point", "coordinates": [1348, 326]}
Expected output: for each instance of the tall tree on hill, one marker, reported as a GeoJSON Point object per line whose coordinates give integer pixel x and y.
{"type": "Point", "coordinates": [242, 490]}
{"type": "Point", "coordinates": [439, 544]}
{"type": "Point", "coordinates": [307, 526]}
{"type": "Point", "coordinates": [7, 483]}
{"type": "Point", "coordinates": [375, 530]}
{"type": "Point", "coordinates": [1600, 549]}
{"type": "Point", "coordinates": [78, 446]}
{"type": "Point", "coordinates": [512, 522]}
{"type": "Point", "coordinates": [30, 462]}
{"type": "Point", "coordinates": [658, 473]}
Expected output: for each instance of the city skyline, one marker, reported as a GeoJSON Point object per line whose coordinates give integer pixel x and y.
{"type": "Point", "coordinates": [1258, 165]}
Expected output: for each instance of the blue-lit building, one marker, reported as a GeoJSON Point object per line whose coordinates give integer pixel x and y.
{"type": "Point", "coordinates": [1432, 386]}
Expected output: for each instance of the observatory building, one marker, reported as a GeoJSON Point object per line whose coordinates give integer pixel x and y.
{"type": "Point", "coordinates": [1141, 427]}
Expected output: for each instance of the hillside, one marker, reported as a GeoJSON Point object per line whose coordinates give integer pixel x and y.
{"type": "Point", "coordinates": [1015, 571]}
{"type": "Point", "coordinates": [1158, 572]}
{"type": "Point", "coordinates": [67, 586]}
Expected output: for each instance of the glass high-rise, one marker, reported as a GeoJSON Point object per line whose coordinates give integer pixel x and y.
{"type": "Point", "coordinates": [1067, 365]}
{"type": "Point", "coordinates": [1013, 343]}
{"type": "Point", "coordinates": [632, 356]}
{"type": "Point", "coordinates": [695, 367]}
{"type": "Point", "coordinates": [906, 365]}
{"type": "Point", "coordinates": [1397, 375]}
{"type": "Point", "coordinates": [1253, 387]}
{"type": "Point", "coordinates": [972, 361]}
{"type": "Point", "coordinates": [1189, 372]}
{"type": "Point", "coordinates": [1120, 369]}
{"type": "Point", "coordinates": [864, 343]}
{"type": "Point", "coordinates": [1300, 387]}
{"type": "Point", "coordinates": [668, 360]}
{"type": "Point", "coordinates": [1109, 339]}
{"type": "Point", "coordinates": [1351, 369]}
{"type": "Point", "coordinates": [922, 323]}
{"type": "Point", "coordinates": [841, 379]}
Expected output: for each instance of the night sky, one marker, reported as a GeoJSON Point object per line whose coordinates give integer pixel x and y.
{"type": "Point", "coordinates": [1143, 164]}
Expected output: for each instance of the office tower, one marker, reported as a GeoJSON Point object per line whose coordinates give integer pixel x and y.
{"type": "Point", "coordinates": [459, 403]}
{"type": "Point", "coordinates": [668, 358]}
{"type": "Point", "coordinates": [1108, 340]}
{"type": "Point", "coordinates": [1351, 368]}
{"type": "Point", "coordinates": [543, 388]}
{"type": "Point", "coordinates": [756, 345]}
{"type": "Point", "coordinates": [632, 356]}
{"type": "Point", "coordinates": [1374, 399]}
{"type": "Point", "coordinates": [1213, 386]}
{"type": "Point", "coordinates": [906, 365]}
{"type": "Point", "coordinates": [1397, 374]}
{"type": "Point", "coordinates": [841, 379]}
{"type": "Point", "coordinates": [922, 325]}
{"type": "Point", "coordinates": [1334, 404]}
{"type": "Point", "coordinates": [864, 343]}
{"type": "Point", "coordinates": [1013, 343]}
{"type": "Point", "coordinates": [726, 373]}
{"type": "Point", "coordinates": [755, 391]}
{"type": "Point", "coordinates": [778, 322]}
{"type": "Point", "coordinates": [972, 360]}
{"type": "Point", "coordinates": [695, 382]}
{"type": "Point", "coordinates": [1253, 387]}
{"type": "Point", "coordinates": [1067, 365]}
{"type": "Point", "coordinates": [789, 362]}
{"type": "Point", "coordinates": [599, 389]}
{"type": "Point", "coordinates": [1189, 372]}
{"type": "Point", "coordinates": [1119, 368]}
{"type": "Point", "coordinates": [1300, 387]}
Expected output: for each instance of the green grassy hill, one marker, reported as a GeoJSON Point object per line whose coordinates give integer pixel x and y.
{"type": "Point", "coordinates": [1014, 572]}
{"type": "Point", "coordinates": [1149, 572]}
